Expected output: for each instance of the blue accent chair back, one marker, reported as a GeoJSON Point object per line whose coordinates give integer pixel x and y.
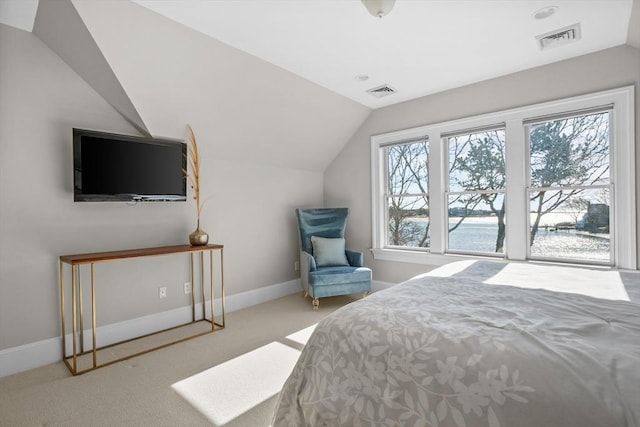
{"type": "Point", "coordinates": [327, 222]}
{"type": "Point", "coordinates": [324, 281]}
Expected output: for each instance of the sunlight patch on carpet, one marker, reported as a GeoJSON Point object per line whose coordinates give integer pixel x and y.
{"type": "Point", "coordinates": [230, 389]}
{"type": "Point", "coordinates": [302, 336]}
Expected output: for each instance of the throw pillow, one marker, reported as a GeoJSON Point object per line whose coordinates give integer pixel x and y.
{"type": "Point", "coordinates": [328, 252]}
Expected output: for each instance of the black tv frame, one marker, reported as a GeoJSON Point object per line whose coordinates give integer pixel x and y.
{"type": "Point", "coordinates": [80, 196]}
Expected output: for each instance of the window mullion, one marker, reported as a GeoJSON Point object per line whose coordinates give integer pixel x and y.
{"type": "Point", "coordinates": [437, 188]}
{"type": "Point", "coordinates": [625, 180]}
{"type": "Point", "coordinates": [516, 200]}
{"type": "Point", "coordinates": [379, 172]}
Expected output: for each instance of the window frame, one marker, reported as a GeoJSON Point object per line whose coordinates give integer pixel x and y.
{"type": "Point", "coordinates": [389, 195]}
{"type": "Point", "coordinates": [448, 192]}
{"type": "Point", "coordinates": [609, 186]}
{"type": "Point", "coordinates": [622, 178]}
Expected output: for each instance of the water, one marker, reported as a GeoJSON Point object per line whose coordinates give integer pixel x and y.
{"type": "Point", "coordinates": [474, 235]}
{"type": "Point", "coordinates": [479, 235]}
{"type": "Point", "coordinates": [571, 244]}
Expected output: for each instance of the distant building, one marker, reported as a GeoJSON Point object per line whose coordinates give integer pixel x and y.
{"type": "Point", "coordinates": [596, 220]}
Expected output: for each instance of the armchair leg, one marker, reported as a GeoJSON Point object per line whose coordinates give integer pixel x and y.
{"type": "Point", "coordinates": [305, 294]}
{"type": "Point", "coordinates": [316, 304]}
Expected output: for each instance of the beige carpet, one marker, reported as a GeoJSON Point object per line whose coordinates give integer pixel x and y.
{"type": "Point", "coordinates": [229, 378]}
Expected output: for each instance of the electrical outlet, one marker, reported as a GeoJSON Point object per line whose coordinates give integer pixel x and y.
{"type": "Point", "coordinates": [296, 265]}
{"type": "Point", "coordinates": [162, 292]}
{"type": "Point", "coordinates": [187, 288]}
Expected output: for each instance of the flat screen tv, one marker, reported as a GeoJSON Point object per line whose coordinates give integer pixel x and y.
{"type": "Point", "coordinates": [109, 167]}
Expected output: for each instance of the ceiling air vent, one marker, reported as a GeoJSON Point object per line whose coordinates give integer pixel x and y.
{"type": "Point", "coordinates": [381, 91]}
{"type": "Point", "coordinates": [559, 37]}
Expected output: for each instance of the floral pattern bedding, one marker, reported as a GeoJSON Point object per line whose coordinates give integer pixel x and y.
{"type": "Point", "coordinates": [458, 351]}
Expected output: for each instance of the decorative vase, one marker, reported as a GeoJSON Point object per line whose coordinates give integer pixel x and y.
{"type": "Point", "coordinates": [198, 237]}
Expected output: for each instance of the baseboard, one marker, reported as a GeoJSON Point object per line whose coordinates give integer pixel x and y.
{"type": "Point", "coordinates": [29, 356]}
{"type": "Point", "coordinates": [33, 355]}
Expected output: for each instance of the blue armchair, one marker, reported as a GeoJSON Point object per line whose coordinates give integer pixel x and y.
{"type": "Point", "coordinates": [326, 267]}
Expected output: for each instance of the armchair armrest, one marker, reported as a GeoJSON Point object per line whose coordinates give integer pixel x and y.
{"type": "Point", "coordinates": [307, 262]}
{"type": "Point", "coordinates": [355, 258]}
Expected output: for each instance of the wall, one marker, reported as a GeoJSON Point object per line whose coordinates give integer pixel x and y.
{"type": "Point", "coordinates": [246, 108]}
{"type": "Point", "coordinates": [250, 211]}
{"type": "Point", "coordinates": [347, 180]}
{"type": "Point", "coordinates": [633, 35]}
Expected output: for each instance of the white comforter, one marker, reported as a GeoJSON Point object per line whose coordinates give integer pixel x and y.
{"type": "Point", "coordinates": [456, 351]}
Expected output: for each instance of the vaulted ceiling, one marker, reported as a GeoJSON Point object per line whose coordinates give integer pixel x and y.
{"type": "Point", "coordinates": [420, 47]}
{"type": "Point", "coordinates": [274, 81]}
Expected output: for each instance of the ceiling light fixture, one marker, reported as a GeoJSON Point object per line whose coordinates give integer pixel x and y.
{"type": "Point", "coordinates": [379, 8]}
{"type": "Point", "coordinates": [545, 12]}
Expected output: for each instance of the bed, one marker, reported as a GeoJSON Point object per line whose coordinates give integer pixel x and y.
{"type": "Point", "coordinates": [476, 344]}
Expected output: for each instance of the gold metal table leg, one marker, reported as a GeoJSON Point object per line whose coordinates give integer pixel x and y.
{"type": "Point", "coordinates": [193, 297]}
{"type": "Point", "coordinates": [93, 317]}
{"type": "Point", "coordinates": [74, 317]}
{"type": "Point", "coordinates": [62, 312]}
{"type": "Point", "coordinates": [80, 309]}
{"type": "Point", "coordinates": [202, 284]}
{"type": "Point", "coordinates": [211, 293]}
{"type": "Point", "coordinates": [222, 282]}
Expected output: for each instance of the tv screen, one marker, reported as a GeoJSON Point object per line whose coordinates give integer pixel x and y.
{"type": "Point", "coordinates": [110, 167]}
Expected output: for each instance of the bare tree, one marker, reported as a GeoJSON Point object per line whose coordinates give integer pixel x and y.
{"type": "Point", "coordinates": [477, 163]}
{"type": "Point", "coordinates": [408, 193]}
{"type": "Point", "coordinates": [565, 154]}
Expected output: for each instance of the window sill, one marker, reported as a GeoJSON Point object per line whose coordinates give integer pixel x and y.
{"type": "Point", "coordinates": [435, 259]}
{"type": "Point", "coordinates": [422, 257]}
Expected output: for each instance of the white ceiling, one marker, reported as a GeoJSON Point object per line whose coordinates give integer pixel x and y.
{"type": "Point", "coordinates": [421, 47]}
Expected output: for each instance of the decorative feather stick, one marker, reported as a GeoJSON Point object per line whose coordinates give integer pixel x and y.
{"type": "Point", "coordinates": [194, 166]}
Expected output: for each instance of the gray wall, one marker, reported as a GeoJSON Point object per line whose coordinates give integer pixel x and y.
{"type": "Point", "coordinates": [347, 180]}
{"type": "Point", "coordinates": [251, 207]}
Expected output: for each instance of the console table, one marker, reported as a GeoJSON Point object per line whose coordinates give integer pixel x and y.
{"type": "Point", "coordinates": [77, 309]}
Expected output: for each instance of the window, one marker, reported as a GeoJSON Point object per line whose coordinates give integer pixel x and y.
{"type": "Point", "coordinates": [552, 181]}
{"type": "Point", "coordinates": [476, 210]}
{"type": "Point", "coordinates": [407, 196]}
{"type": "Point", "coordinates": [570, 193]}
